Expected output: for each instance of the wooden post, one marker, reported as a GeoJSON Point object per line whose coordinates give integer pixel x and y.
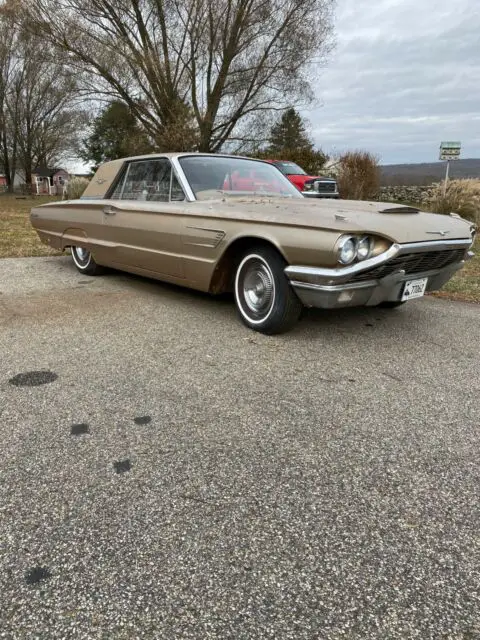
{"type": "Point", "coordinates": [446, 179]}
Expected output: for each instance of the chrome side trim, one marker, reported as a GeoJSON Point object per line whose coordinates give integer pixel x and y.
{"type": "Point", "coordinates": [433, 245]}
{"type": "Point", "coordinates": [211, 241]}
{"type": "Point", "coordinates": [336, 274]}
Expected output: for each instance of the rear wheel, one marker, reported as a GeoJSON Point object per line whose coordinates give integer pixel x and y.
{"type": "Point", "coordinates": [84, 261]}
{"type": "Point", "coordinates": [264, 298]}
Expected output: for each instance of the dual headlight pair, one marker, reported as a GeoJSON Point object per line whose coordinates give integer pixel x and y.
{"type": "Point", "coordinates": [351, 248]}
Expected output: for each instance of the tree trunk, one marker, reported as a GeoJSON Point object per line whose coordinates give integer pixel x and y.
{"type": "Point", "coordinates": [6, 164]}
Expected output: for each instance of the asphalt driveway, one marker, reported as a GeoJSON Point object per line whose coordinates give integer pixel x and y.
{"type": "Point", "coordinates": [167, 473]}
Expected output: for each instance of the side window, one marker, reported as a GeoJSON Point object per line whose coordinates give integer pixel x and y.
{"type": "Point", "coordinates": [147, 180]}
{"type": "Point", "coordinates": [150, 180]}
{"type": "Point", "coordinates": [116, 193]}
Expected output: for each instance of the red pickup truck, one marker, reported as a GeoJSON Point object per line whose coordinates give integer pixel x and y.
{"type": "Point", "coordinates": [309, 186]}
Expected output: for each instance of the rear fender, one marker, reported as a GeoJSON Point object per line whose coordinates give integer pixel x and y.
{"type": "Point", "coordinates": [75, 237]}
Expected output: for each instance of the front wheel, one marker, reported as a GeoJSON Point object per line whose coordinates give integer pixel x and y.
{"type": "Point", "coordinates": [264, 298]}
{"type": "Point", "coordinates": [84, 261]}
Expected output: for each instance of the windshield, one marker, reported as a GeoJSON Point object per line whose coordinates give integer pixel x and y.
{"type": "Point", "coordinates": [209, 175]}
{"type": "Point", "coordinates": [290, 169]}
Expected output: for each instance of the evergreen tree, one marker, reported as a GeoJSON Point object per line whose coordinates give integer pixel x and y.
{"type": "Point", "coordinates": [289, 133]}
{"type": "Point", "coordinates": [115, 134]}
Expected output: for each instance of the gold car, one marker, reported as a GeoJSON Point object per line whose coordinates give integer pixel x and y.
{"type": "Point", "coordinates": [222, 223]}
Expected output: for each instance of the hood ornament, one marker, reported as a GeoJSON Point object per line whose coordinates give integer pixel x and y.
{"type": "Point", "coordinates": [440, 233]}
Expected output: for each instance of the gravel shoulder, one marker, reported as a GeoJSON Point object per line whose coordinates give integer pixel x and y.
{"type": "Point", "coordinates": [179, 476]}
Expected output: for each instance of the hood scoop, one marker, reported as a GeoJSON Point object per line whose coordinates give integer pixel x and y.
{"type": "Point", "coordinates": [400, 210]}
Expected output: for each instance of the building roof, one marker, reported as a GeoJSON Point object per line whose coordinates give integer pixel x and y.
{"type": "Point", "coordinates": [47, 172]}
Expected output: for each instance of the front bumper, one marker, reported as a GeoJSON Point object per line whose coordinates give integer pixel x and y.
{"type": "Point", "coordinates": [333, 288]}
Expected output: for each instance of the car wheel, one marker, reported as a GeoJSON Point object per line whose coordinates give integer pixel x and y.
{"type": "Point", "coordinates": [84, 261]}
{"type": "Point", "coordinates": [264, 298]}
{"type": "Point", "coordinates": [391, 304]}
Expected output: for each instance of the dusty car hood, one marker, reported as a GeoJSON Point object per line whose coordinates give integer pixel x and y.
{"type": "Point", "coordinates": [342, 215]}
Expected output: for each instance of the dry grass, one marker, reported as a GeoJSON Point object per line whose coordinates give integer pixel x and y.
{"type": "Point", "coordinates": [76, 187]}
{"type": "Point", "coordinates": [17, 238]}
{"type": "Point", "coordinates": [462, 197]}
{"type": "Point", "coordinates": [465, 285]}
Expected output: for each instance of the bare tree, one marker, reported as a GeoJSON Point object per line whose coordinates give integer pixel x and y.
{"type": "Point", "coordinates": [8, 137]}
{"type": "Point", "coordinates": [39, 118]}
{"type": "Point", "coordinates": [192, 71]}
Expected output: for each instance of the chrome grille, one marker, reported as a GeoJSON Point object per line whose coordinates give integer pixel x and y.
{"type": "Point", "coordinates": [412, 263]}
{"type": "Point", "coordinates": [326, 187]}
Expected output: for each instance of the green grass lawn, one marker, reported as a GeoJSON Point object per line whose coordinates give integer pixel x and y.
{"type": "Point", "coordinates": [18, 239]}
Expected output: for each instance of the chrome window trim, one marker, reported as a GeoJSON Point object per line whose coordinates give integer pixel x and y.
{"type": "Point", "coordinates": [184, 184]}
{"type": "Point", "coordinates": [127, 171]}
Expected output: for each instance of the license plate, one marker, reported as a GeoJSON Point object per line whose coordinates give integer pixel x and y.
{"type": "Point", "coordinates": [414, 289]}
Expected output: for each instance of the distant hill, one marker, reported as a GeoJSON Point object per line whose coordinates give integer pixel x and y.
{"type": "Point", "coordinates": [428, 172]}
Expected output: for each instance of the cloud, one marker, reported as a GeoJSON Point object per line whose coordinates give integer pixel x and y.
{"type": "Point", "coordinates": [405, 76]}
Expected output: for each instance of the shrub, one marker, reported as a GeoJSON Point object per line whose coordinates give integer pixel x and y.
{"type": "Point", "coordinates": [358, 175]}
{"type": "Point", "coordinates": [76, 187]}
{"type": "Point", "coordinates": [462, 197]}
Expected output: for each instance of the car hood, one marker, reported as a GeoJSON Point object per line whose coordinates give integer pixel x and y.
{"type": "Point", "coordinates": [400, 224]}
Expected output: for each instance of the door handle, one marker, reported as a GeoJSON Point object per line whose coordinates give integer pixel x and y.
{"type": "Point", "coordinates": [109, 211]}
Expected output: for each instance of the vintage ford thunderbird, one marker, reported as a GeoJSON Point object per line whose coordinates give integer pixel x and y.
{"type": "Point", "coordinates": [223, 223]}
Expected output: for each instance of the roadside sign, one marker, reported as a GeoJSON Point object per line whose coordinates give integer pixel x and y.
{"type": "Point", "coordinates": [450, 150]}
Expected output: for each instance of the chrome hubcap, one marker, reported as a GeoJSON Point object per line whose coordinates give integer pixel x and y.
{"type": "Point", "coordinates": [82, 254]}
{"type": "Point", "coordinates": [258, 289]}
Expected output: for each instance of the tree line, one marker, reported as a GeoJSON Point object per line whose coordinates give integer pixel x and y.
{"type": "Point", "coordinates": [206, 75]}
{"type": "Point", "coordinates": [116, 134]}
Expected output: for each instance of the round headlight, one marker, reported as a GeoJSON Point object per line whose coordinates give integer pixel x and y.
{"type": "Point", "coordinates": [347, 250]}
{"type": "Point", "coordinates": [364, 248]}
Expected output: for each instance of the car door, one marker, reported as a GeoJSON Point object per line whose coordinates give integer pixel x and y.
{"type": "Point", "coordinates": [144, 217]}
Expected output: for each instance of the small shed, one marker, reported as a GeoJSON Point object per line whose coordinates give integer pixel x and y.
{"type": "Point", "coordinates": [49, 181]}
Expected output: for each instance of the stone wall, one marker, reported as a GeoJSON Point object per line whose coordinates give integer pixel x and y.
{"type": "Point", "coordinates": [412, 194]}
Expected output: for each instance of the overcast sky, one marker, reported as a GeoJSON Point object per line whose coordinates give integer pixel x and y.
{"type": "Point", "coordinates": [404, 76]}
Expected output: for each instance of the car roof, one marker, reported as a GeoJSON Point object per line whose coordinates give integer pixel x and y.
{"type": "Point", "coordinates": [108, 171]}
{"type": "Point", "coordinates": [182, 154]}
